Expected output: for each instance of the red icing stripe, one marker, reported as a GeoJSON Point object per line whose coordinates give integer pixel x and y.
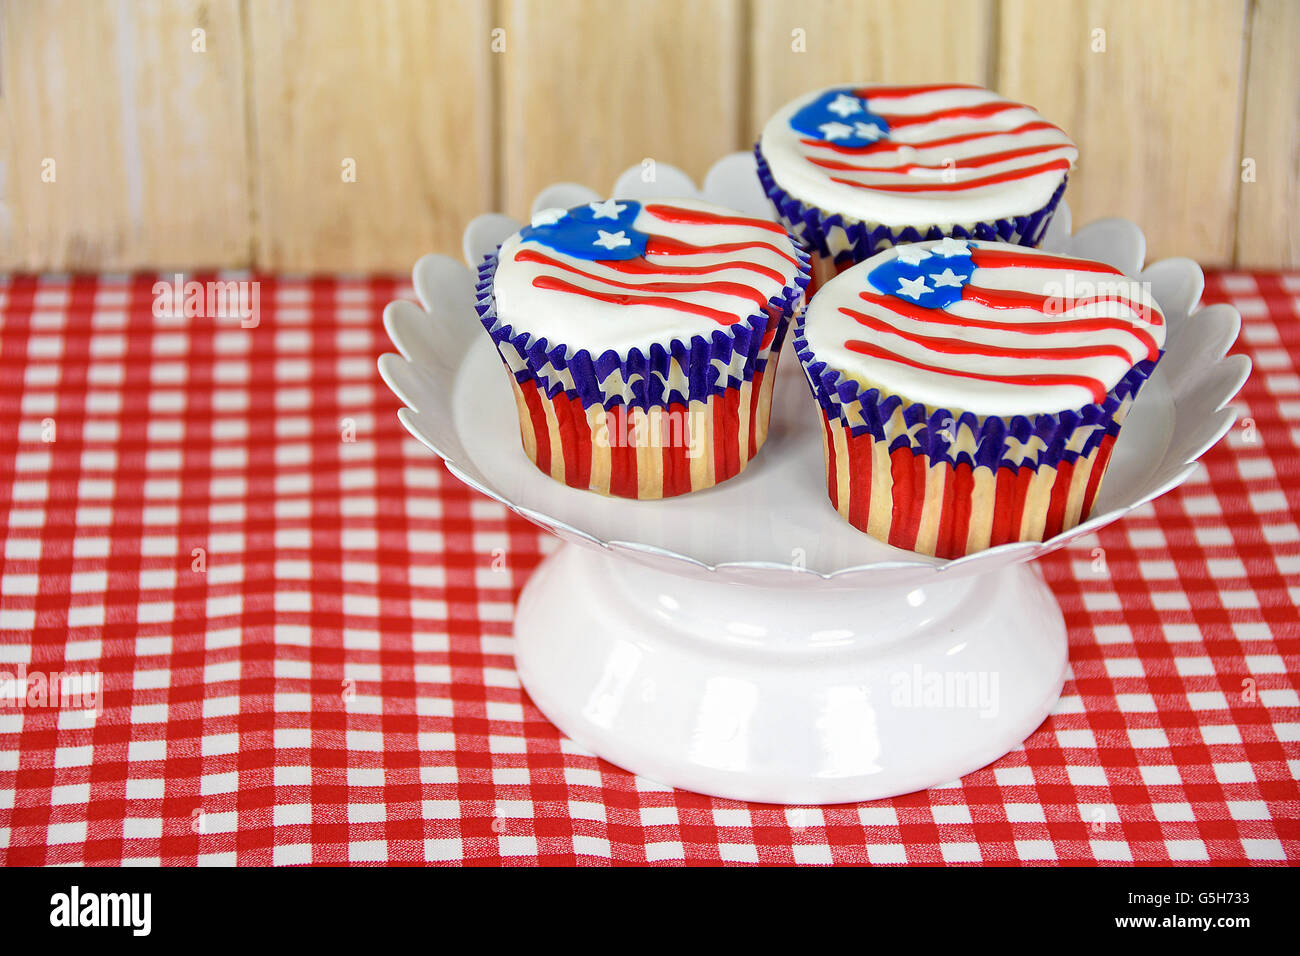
{"type": "Point", "coordinates": [945, 345]}
{"type": "Point", "coordinates": [721, 287]}
{"type": "Point", "coordinates": [1051, 327]}
{"type": "Point", "coordinates": [641, 267]}
{"type": "Point", "coordinates": [973, 162]}
{"type": "Point", "coordinates": [1011, 299]}
{"type": "Point", "coordinates": [1006, 177]}
{"type": "Point", "coordinates": [700, 217]}
{"type": "Point", "coordinates": [873, 94]}
{"type": "Point", "coordinates": [622, 298]}
{"type": "Point", "coordinates": [898, 121]}
{"type": "Point", "coordinates": [537, 416]}
{"type": "Point", "coordinates": [1093, 385]}
{"type": "Point", "coordinates": [1001, 258]}
{"type": "Point", "coordinates": [880, 147]}
{"type": "Point", "coordinates": [668, 246]}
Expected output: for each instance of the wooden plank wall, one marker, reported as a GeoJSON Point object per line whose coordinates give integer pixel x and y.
{"type": "Point", "coordinates": [341, 135]}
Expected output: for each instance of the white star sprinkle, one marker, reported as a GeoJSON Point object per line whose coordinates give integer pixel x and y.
{"type": "Point", "coordinates": [946, 277]}
{"type": "Point", "coordinates": [868, 130]}
{"type": "Point", "coordinates": [609, 209]}
{"type": "Point", "coordinates": [845, 105]}
{"type": "Point", "coordinates": [612, 240]}
{"type": "Point", "coordinates": [913, 287]}
{"type": "Point", "coordinates": [912, 255]}
{"type": "Point", "coordinates": [835, 130]}
{"type": "Point", "coordinates": [950, 247]}
{"type": "Point", "coordinates": [548, 217]}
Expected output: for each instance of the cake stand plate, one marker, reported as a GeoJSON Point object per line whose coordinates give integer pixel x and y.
{"type": "Point", "coordinates": [745, 641]}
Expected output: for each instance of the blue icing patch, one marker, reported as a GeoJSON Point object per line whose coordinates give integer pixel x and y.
{"type": "Point", "coordinates": [932, 279]}
{"type": "Point", "coordinates": [596, 231]}
{"type": "Point", "coordinates": [841, 117]}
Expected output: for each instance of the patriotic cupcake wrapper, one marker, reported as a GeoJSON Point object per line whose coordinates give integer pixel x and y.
{"type": "Point", "coordinates": [837, 242]}
{"type": "Point", "coordinates": [948, 483]}
{"type": "Point", "coordinates": [680, 418]}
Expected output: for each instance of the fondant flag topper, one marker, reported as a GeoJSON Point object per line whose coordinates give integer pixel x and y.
{"type": "Point", "coordinates": [596, 231]}
{"type": "Point", "coordinates": [841, 117]}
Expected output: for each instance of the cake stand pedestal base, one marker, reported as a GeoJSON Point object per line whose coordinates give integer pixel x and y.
{"type": "Point", "coordinates": [807, 694]}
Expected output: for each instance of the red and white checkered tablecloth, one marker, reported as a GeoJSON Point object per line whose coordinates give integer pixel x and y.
{"type": "Point", "coordinates": [329, 679]}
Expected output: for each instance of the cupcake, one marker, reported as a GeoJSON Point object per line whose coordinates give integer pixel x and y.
{"type": "Point", "coordinates": [972, 391]}
{"type": "Point", "coordinates": [853, 170]}
{"type": "Point", "coordinates": [641, 340]}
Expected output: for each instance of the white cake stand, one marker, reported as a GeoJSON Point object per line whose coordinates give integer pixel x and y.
{"type": "Point", "coordinates": [745, 641]}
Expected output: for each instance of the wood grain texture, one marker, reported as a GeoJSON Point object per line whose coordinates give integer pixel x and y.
{"type": "Point", "coordinates": [165, 157]}
{"type": "Point", "coordinates": [590, 89]}
{"type": "Point", "coordinates": [1268, 213]}
{"type": "Point", "coordinates": [933, 41]}
{"type": "Point", "coordinates": [147, 136]}
{"type": "Point", "coordinates": [402, 89]}
{"type": "Point", "coordinates": [1156, 114]}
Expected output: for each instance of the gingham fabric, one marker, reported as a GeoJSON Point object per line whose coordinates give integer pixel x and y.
{"type": "Point", "coordinates": [302, 622]}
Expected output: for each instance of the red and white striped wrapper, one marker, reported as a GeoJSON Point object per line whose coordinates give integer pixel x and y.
{"type": "Point", "coordinates": [651, 453]}
{"type": "Point", "coordinates": [906, 498]}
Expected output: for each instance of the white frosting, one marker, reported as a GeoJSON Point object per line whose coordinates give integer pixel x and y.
{"type": "Point", "coordinates": [790, 160]}
{"type": "Point", "coordinates": [579, 322]}
{"type": "Point", "coordinates": [828, 329]}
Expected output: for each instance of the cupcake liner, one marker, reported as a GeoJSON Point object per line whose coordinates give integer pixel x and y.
{"type": "Point", "coordinates": [680, 419]}
{"type": "Point", "coordinates": [839, 241]}
{"type": "Point", "coordinates": [947, 483]}
{"type": "Point", "coordinates": [631, 453]}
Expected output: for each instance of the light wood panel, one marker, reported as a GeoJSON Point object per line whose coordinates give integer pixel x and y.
{"type": "Point", "coordinates": [590, 89]}
{"type": "Point", "coordinates": [402, 89]}
{"type": "Point", "coordinates": [839, 42]}
{"type": "Point", "coordinates": [1268, 215]}
{"type": "Point", "coordinates": [166, 157]}
{"type": "Point", "coordinates": [146, 135]}
{"type": "Point", "coordinates": [1157, 114]}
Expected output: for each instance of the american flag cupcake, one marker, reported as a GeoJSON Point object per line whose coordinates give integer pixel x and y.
{"type": "Point", "coordinates": [852, 170]}
{"type": "Point", "coordinates": [972, 391]}
{"type": "Point", "coordinates": [641, 340]}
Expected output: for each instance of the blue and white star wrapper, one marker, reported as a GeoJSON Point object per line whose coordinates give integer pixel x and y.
{"type": "Point", "coordinates": [841, 117]}
{"type": "Point", "coordinates": [931, 278]}
{"type": "Point", "coordinates": [596, 231]}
